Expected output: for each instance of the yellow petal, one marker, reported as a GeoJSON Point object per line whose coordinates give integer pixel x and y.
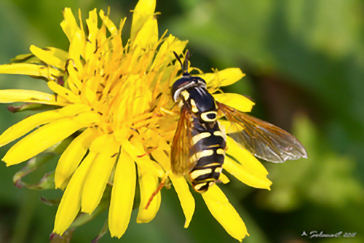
{"type": "Point", "coordinates": [69, 24]}
{"type": "Point", "coordinates": [143, 11]}
{"type": "Point", "coordinates": [228, 127]}
{"type": "Point", "coordinates": [33, 96]}
{"type": "Point", "coordinates": [185, 197]}
{"type": "Point", "coordinates": [122, 195]}
{"type": "Point", "coordinates": [92, 25]}
{"type": "Point", "coordinates": [47, 57]}
{"type": "Point", "coordinates": [31, 69]}
{"type": "Point", "coordinates": [58, 53]}
{"type": "Point", "coordinates": [41, 139]}
{"type": "Point", "coordinates": [137, 152]}
{"type": "Point", "coordinates": [147, 35]}
{"type": "Point", "coordinates": [181, 187]}
{"type": "Point", "coordinates": [88, 118]}
{"type": "Point", "coordinates": [108, 23]}
{"type": "Point", "coordinates": [224, 77]}
{"type": "Point", "coordinates": [98, 175]}
{"type": "Point", "coordinates": [230, 76]}
{"type": "Point", "coordinates": [71, 199]}
{"type": "Point", "coordinates": [89, 96]}
{"type": "Point", "coordinates": [77, 49]}
{"type": "Point", "coordinates": [97, 145]}
{"type": "Point", "coordinates": [73, 110]}
{"type": "Point", "coordinates": [245, 158]}
{"type": "Point", "coordinates": [148, 184]}
{"type": "Point", "coordinates": [160, 156]}
{"type": "Point", "coordinates": [165, 53]}
{"type": "Point", "coordinates": [258, 180]}
{"type": "Point", "coordinates": [225, 213]}
{"type": "Point", "coordinates": [73, 79]}
{"type": "Point", "coordinates": [162, 148]}
{"type": "Point", "coordinates": [31, 122]}
{"type": "Point", "coordinates": [72, 156]}
{"type": "Point", "coordinates": [93, 33]}
{"type": "Point", "coordinates": [223, 178]}
{"type": "Point", "coordinates": [63, 92]}
{"type": "Point", "coordinates": [236, 101]}
{"type": "Point", "coordinates": [23, 127]}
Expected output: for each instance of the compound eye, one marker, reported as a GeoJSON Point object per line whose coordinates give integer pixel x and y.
{"type": "Point", "coordinates": [178, 87]}
{"type": "Point", "coordinates": [200, 79]}
{"type": "Point", "coordinates": [201, 82]}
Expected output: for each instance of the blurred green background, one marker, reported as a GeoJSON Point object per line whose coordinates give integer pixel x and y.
{"type": "Point", "coordinates": [304, 62]}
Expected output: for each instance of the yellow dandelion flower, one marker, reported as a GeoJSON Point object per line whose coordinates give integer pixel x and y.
{"type": "Point", "coordinates": [113, 103]}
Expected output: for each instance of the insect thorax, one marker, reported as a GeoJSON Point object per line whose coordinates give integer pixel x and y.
{"type": "Point", "coordinates": [201, 103]}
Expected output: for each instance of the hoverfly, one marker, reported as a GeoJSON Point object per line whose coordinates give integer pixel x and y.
{"type": "Point", "coordinates": [199, 145]}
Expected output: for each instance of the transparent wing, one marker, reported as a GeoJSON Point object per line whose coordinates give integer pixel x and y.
{"type": "Point", "coordinates": [182, 144]}
{"type": "Point", "coordinates": [261, 138]}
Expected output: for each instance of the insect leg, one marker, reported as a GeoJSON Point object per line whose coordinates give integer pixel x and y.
{"type": "Point", "coordinates": [161, 185]}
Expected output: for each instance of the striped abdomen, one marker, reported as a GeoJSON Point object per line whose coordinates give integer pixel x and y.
{"type": "Point", "coordinates": [208, 152]}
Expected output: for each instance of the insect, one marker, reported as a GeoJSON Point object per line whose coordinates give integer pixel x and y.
{"type": "Point", "coordinates": [199, 145]}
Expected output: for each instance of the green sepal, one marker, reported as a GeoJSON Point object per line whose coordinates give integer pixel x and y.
{"type": "Point", "coordinates": [33, 164]}
{"type": "Point", "coordinates": [31, 107]}
{"type": "Point", "coordinates": [47, 182]}
{"type": "Point", "coordinates": [26, 58]}
{"type": "Point", "coordinates": [65, 238]}
{"type": "Point", "coordinates": [50, 202]}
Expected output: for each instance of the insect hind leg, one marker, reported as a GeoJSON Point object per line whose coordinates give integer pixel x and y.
{"type": "Point", "coordinates": [161, 185]}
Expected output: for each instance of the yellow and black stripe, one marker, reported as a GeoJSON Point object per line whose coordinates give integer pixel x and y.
{"type": "Point", "coordinates": [207, 153]}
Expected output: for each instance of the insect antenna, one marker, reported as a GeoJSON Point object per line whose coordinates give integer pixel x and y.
{"type": "Point", "coordinates": [183, 67]}
{"type": "Point", "coordinates": [185, 71]}
{"type": "Point", "coordinates": [179, 60]}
